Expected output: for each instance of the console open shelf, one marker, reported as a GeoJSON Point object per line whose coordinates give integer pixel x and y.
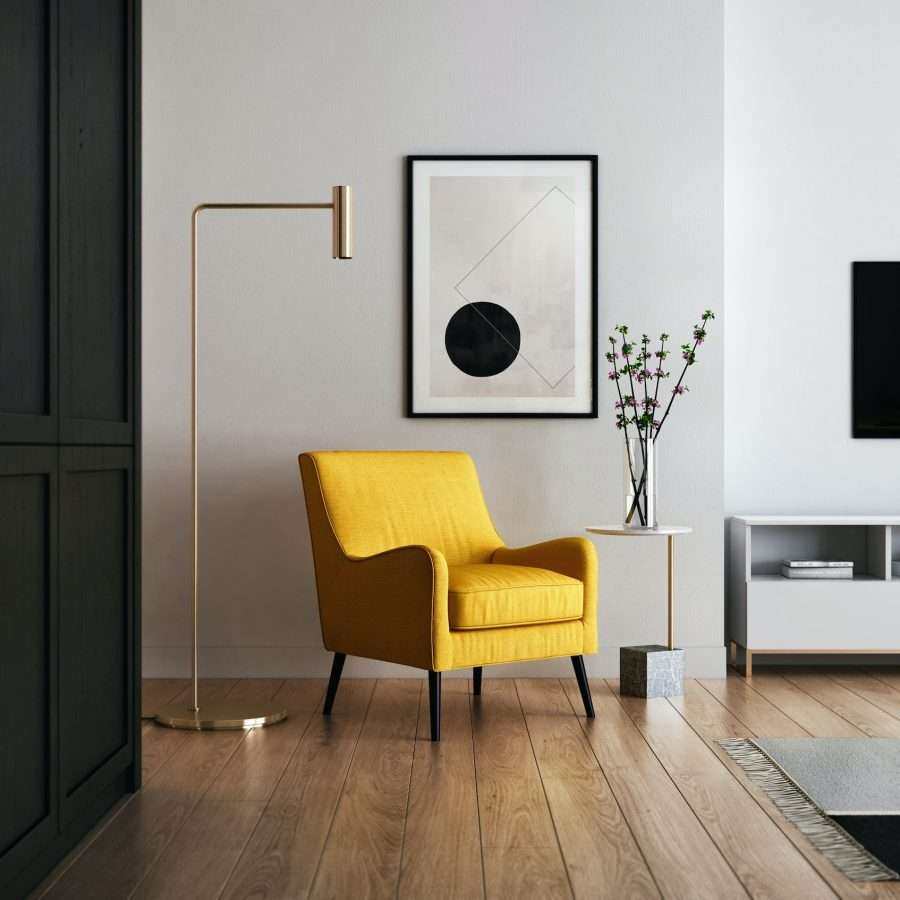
{"type": "Point", "coordinates": [769, 614]}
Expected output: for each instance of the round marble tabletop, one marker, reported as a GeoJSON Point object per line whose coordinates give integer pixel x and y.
{"type": "Point", "coordinates": [622, 531]}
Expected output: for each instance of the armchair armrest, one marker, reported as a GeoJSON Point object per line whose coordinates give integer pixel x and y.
{"type": "Point", "coordinates": [391, 606]}
{"type": "Point", "coordinates": [572, 556]}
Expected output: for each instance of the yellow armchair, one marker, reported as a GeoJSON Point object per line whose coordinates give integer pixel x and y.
{"type": "Point", "coordinates": [410, 569]}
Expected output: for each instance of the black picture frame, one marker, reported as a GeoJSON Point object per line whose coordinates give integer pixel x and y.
{"type": "Point", "coordinates": [592, 160]}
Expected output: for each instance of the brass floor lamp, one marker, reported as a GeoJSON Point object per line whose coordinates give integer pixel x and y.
{"type": "Point", "coordinates": [220, 714]}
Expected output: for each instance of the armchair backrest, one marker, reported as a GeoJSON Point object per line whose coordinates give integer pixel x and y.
{"type": "Point", "coordinates": [378, 500]}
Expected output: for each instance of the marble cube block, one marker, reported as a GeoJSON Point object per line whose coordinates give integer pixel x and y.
{"type": "Point", "coordinates": [651, 671]}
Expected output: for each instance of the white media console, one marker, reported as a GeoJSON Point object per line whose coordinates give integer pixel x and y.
{"type": "Point", "coordinates": [770, 614]}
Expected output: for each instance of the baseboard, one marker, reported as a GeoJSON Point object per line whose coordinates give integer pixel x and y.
{"type": "Point", "coordinates": [314, 662]}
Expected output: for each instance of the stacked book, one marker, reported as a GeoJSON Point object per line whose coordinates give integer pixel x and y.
{"type": "Point", "coordinates": [816, 568]}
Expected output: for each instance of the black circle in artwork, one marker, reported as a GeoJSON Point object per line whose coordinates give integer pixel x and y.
{"type": "Point", "coordinates": [482, 339]}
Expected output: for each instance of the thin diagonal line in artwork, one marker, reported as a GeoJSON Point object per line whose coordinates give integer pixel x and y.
{"type": "Point", "coordinates": [503, 337]}
{"type": "Point", "coordinates": [551, 385]}
{"type": "Point", "coordinates": [561, 380]}
{"type": "Point", "coordinates": [505, 236]}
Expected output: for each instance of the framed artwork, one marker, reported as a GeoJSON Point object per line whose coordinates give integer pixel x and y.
{"type": "Point", "coordinates": [502, 281]}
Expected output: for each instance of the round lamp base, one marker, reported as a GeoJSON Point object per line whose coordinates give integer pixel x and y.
{"type": "Point", "coordinates": [218, 715]}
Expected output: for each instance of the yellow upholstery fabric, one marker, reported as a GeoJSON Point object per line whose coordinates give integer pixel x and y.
{"type": "Point", "coordinates": [377, 501]}
{"type": "Point", "coordinates": [573, 556]}
{"type": "Point", "coordinates": [490, 595]}
{"type": "Point", "coordinates": [494, 646]}
{"type": "Point", "coordinates": [386, 529]}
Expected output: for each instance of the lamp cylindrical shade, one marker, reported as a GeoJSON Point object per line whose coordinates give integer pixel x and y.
{"type": "Point", "coordinates": [342, 222]}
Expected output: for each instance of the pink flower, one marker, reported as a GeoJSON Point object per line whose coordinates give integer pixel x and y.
{"type": "Point", "coordinates": [680, 389]}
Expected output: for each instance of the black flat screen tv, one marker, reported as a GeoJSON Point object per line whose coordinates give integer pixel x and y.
{"type": "Point", "coordinates": [876, 349]}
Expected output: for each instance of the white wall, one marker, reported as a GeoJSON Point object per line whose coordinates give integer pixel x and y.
{"type": "Point", "coordinates": [274, 100]}
{"type": "Point", "coordinates": [812, 150]}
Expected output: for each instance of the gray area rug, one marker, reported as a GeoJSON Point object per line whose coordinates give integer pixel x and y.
{"type": "Point", "coordinates": [843, 794]}
{"type": "Point", "coordinates": [844, 776]}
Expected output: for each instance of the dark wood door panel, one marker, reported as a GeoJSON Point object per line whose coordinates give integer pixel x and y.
{"type": "Point", "coordinates": [96, 326]}
{"type": "Point", "coordinates": [96, 591]}
{"type": "Point", "coordinates": [69, 348]}
{"type": "Point", "coordinates": [27, 287]}
{"type": "Point", "coordinates": [28, 623]}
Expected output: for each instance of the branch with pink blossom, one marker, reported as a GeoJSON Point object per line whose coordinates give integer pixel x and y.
{"type": "Point", "coordinates": [642, 413]}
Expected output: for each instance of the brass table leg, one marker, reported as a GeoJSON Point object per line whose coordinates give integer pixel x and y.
{"type": "Point", "coordinates": [670, 541]}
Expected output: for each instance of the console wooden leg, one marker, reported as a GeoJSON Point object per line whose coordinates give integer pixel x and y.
{"type": "Point", "coordinates": [748, 664]}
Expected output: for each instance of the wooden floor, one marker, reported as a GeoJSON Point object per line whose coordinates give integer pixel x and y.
{"type": "Point", "coordinates": [523, 798]}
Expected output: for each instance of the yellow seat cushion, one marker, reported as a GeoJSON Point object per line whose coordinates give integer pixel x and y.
{"type": "Point", "coordinates": [490, 595]}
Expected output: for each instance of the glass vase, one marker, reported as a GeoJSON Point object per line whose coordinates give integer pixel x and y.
{"type": "Point", "coordinates": [640, 483]}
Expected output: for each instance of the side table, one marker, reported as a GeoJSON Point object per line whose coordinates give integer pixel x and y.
{"type": "Point", "coordinates": [652, 670]}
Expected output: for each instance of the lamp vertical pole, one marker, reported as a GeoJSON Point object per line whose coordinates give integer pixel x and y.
{"type": "Point", "coordinates": [195, 638]}
{"type": "Point", "coordinates": [228, 713]}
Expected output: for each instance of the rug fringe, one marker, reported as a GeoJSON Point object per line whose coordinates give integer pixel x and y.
{"type": "Point", "coordinates": [842, 850]}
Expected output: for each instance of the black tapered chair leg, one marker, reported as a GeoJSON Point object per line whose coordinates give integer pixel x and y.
{"type": "Point", "coordinates": [337, 666]}
{"type": "Point", "coordinates": [434, 704]}
{"type": "Point", "coordinates": [583, 686]}
{"type": "Point", "coordinates": [476, 681]}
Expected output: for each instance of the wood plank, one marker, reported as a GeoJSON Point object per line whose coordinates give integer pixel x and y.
{"type": "Point", "coordinates": [159, 744]}
{"type": "Point", "coordinates": [280, 858]}
{"type": "Point", "coordinates": [600, 852]}
{"type": "Point", "coordinates": [711, 732]}
{"type": "Point", "coordinates": [869, 688]}
{"type": "Point", "coordinates": [156, 692]}
{"type": "Point", "coordinates": [766, 864]}
{"type": "Point", "coordinates": [512, 805]}
{"type": "Point", "coordinates": [702, 709]}
{"type": "Point", "coordinates": [159, 748]}
{"type": "Point", "coordinates": [200, 858]}
{"type": "Point", "coordinates": [625, 798]}
{"type": "Point", "coordinates": [807, 712]}
{"type": "Point", "coordinates": [751, 708]}
{"type": "Point", "coordinates": [362, 854]}
{"type": "Point", "coordinates": [856, 710]}
{"type": "Point", "coordinates": [890, 675]}
{"type": "Point", "coordinates": [525, 873]}
{"type": "Point", "coordinates": [679, 852]}
{"type": "Point", "coordinates": [442, 846]}
{"type": "Point", "coordinates": [116, 862]}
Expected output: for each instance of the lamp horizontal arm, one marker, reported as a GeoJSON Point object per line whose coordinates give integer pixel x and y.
{"type": "Point", "coordinates": [202, 206]}
{"type": "Point", "coordinates": [341, 222]}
